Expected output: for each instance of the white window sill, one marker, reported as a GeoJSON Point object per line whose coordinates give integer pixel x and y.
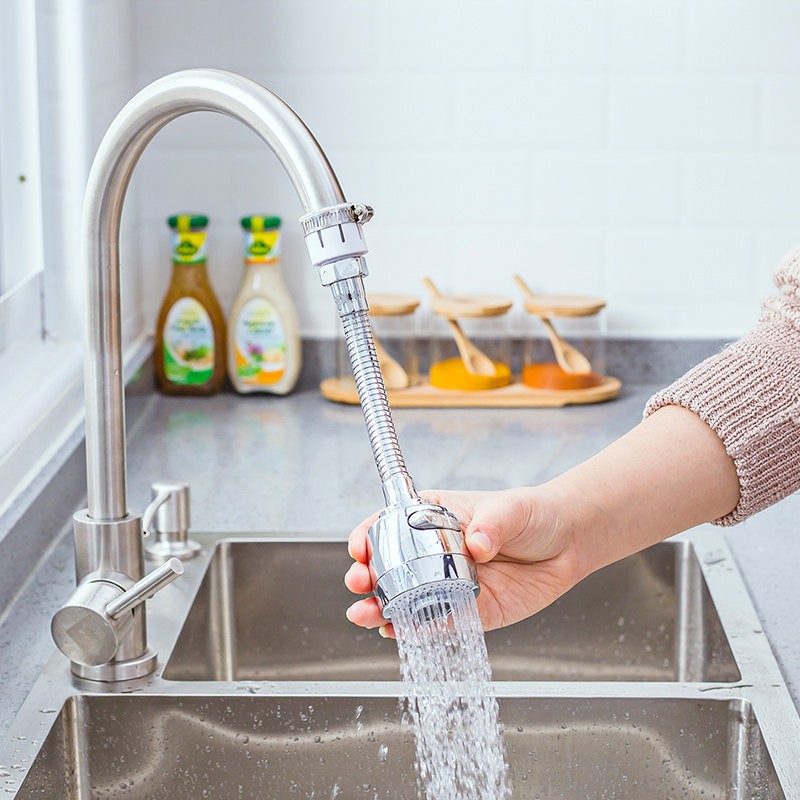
{"type": "Point", "coordinates": [41, 406]}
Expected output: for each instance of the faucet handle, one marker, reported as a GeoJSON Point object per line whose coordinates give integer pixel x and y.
{"type": "Point", "coordinates": [145, 588]}
{"type": "Point", "coordinates": [91, 625]}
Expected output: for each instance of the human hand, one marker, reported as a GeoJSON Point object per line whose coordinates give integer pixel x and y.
{"type": "Point", "coordinates": [524, 549]}
{"type": "Point", "coordinates": [668, 474]}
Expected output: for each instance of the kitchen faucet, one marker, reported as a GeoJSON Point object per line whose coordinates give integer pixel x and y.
{"type": "Point", "coordinates": [102, 627]}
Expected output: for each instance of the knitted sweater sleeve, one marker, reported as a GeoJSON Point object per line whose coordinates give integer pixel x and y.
{"type": "Point", "coordinates": [749, 394]}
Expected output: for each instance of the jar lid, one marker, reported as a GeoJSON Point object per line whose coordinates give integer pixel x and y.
{"type": "Point", "coordinates": [257, 222]}
{"type": "Point", "coordinates": [391, 305]}
{"type": "Point", "coordinates": [188, 221]}
{"type": "Point", "coordinates": [470, 305]}
{"type": "Point", "coordinates": [564, 305]}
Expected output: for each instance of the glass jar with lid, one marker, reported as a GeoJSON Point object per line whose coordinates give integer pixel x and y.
{"type": "Point", "coordinates": [470, 347]}
{"type": "Point", "coordinates": [564, 342]}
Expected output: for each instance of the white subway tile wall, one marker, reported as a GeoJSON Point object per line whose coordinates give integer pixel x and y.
{"type": "Point", "coordinates": [646, 150]}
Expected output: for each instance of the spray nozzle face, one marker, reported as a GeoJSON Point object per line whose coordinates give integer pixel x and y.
{"type": "Point", "coordinates": [415, 546]}
{"type": "Point", "coordinates": [432, 611]}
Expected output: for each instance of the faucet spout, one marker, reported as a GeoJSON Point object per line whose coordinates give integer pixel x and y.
{"type": "Point", "coordinates": [108, 538]}
{"type": "Point", "coordinates": [138, 122]}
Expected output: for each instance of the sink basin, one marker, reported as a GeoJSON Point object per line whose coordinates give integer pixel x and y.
{"type": "Point", "coordinates": [265, 748]}
{"type": "Point", "coordinates": [629, 687]}
{"type": "Point", "coordinates": [274, 610]}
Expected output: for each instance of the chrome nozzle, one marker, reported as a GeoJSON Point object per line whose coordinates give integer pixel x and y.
{"type": "Point", "coordinates": [414, 547]}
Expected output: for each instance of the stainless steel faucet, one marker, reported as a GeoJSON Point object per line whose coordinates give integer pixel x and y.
{"type": "Point", "coordinates": [102, 626]}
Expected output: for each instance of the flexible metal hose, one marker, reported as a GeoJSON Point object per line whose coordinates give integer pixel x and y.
{"type": "Point", "coordinates": [372, 394]}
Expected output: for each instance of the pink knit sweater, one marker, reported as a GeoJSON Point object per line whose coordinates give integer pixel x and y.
{"type": "Point", "coordinates": [750, 395]}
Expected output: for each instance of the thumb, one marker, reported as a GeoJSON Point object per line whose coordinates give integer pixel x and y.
{"type": "Point", "coordinates": [497, 518]}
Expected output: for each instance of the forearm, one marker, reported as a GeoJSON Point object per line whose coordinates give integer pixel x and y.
{"type": "Point", "coordinates": [668, 474]}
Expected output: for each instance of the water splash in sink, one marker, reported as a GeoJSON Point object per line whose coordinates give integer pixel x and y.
{"type": "Point", "coordinates": [451, 704]}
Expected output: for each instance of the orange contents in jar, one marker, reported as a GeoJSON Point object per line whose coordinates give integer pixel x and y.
{"type": "Point", "coordinates": [452, 374]}
{"type": "Point", "coordinates": [552, 376]}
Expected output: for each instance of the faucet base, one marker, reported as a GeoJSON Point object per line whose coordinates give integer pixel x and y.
{"type": "Point", "coordinates": [115, 671]}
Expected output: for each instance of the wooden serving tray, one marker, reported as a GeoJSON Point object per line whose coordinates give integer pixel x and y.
{"type": "Point", "coordinates": [516, 395]}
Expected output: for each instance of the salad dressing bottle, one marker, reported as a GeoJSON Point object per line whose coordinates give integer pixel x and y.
{"type": "Point", "coordinates": [264, 351]}
{"type": "Point", "coordinates": [190, 348]}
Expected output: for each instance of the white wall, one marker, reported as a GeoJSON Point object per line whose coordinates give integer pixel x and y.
{"type": "Point", "coordinates": [86, 74]}
{"type": "Point", "coordinates": [646, 150]}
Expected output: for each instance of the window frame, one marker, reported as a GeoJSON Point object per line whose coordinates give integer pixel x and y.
{"type": "Point", "coordinates": [21, 243]}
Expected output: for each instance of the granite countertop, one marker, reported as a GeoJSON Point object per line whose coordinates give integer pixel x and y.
{"type": "Point", "coordinates": [302, 465]}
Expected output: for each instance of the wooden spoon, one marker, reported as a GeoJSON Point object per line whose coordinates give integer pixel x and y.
{"type": "Point", "coordinates": [569, 358]}
{"type": "Point", "coordinates": [476, 362]}
{"type": "Point", "coordinates": [394, 376]}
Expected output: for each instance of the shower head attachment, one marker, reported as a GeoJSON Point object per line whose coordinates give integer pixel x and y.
{"type": "Point", "coordinates": [416, 547]}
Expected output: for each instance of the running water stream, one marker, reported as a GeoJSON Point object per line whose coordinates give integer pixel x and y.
{"type": "Point", "coordinates": [451, 702]}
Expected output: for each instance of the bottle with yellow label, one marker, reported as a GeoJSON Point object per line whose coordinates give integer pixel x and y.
{"type": "Point", "coordinates": [190, 352]}
{"type": "Point", "coordinates": [264, 353]}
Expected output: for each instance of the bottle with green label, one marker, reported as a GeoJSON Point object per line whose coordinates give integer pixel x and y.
{"type": "Point", "coordinates": [190, 351]}
{"type": "Point", "coordinates": [264, 352]}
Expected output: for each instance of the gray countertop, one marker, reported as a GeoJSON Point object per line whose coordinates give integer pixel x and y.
{"type": "Point", "coordinates": [300, 464]}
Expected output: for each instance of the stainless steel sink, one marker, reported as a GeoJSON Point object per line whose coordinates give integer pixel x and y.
{"type": "Point", "coordinates": [183, 748]}
{"type": "Point", "coordinates": [649, 617]}
{"type": "Point", "coordinates": [650, 680]}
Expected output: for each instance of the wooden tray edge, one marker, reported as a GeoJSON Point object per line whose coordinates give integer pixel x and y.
{"type": "Point", "coordinates": [516, 395]}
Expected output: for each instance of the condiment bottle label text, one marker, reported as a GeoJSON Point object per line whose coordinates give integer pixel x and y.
{"type": "Point", "coordinates": [188, 349]}
{"type": "Point", "coordinates": [260, 345]}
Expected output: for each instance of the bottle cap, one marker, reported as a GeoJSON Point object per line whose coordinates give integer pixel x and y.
{"type": "Point", "coordinates": [185, 222]}
{"type": "Point", "coordinates": [260, 223]}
